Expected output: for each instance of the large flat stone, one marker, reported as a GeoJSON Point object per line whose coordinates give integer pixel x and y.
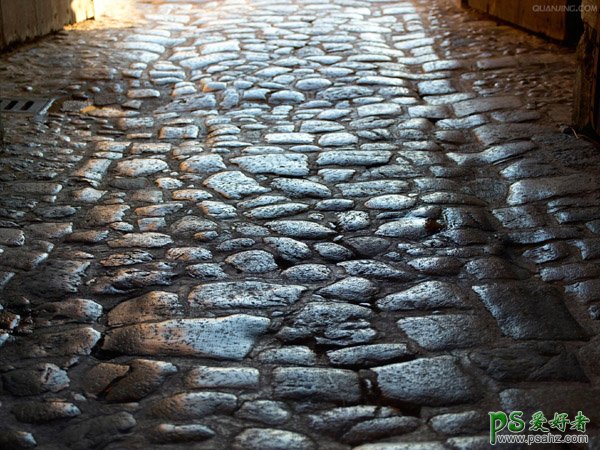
{"type": "Point", "coordinates": [526, 310]}
{"type": "Point", "coordinates": [230, 337]}
{"type": "Point", "coordinates": [435, 381]}
{"type": "Point", "coordinates": [326, 384]}
{"type": "Point", "coordinates": [244, 294]}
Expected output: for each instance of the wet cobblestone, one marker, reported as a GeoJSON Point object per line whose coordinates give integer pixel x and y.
{"type": "Point", "coordinates": [294, 224]}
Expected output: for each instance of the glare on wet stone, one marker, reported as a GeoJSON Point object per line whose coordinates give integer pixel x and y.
{"type": "Point", "coordinates": [290, 225]}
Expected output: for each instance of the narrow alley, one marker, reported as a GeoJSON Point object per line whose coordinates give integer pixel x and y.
{"type": "Point", "coordinates": [294, 225]}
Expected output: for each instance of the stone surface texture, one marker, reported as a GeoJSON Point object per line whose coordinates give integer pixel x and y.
{"type": "Point", "coordinates": [293, 224]}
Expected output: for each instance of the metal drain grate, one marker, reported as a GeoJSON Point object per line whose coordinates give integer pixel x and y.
{"type": "Point", "coordinates": [25, 106]}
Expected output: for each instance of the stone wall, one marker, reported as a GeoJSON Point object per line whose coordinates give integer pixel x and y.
{"type": "Point", "coordinates": [586, 113]}
{"type": "Point", "coordinates": [553, 22]}
{"type": "Point", "coordinates": [21, 20]}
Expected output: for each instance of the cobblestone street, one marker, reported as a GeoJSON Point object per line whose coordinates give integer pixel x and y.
{"type": "Point", "coordinates": [294, 225]}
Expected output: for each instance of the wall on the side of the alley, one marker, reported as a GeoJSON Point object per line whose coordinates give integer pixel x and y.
{"type": "Point", "coordinates": [586, 111]}
{"type": "Point", "coordinates": [527, 14]}
{"type": "Point", "coordinates": [21, 20]}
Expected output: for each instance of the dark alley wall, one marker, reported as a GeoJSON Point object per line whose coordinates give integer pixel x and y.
{"type": "Point", "coordinates": [21, 20]}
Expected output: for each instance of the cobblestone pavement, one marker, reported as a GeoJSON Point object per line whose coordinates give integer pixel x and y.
{"type": "Point", "coordinates": [308, 224]}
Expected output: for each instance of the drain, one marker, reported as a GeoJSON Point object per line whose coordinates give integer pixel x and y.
{"type": "Point", "coordinates": [25, 106]}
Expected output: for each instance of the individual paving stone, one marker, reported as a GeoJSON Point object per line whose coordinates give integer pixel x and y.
{"type": "Point", "coordinates": [531, 190]}
{"type": "Point", "coordinates": [496, 133]}
{"type": "Point", "coordinates": [40, 412]}
{"type": "Point", "coordinates": [353, 220]}
{"type": "Point", "coordinates": [490, 268]}
{"type": "Point", "coordinates": [244, 294]}
{"type": "Point", "coordinates": [408, 227]}
{"type": "Point", "coordinates": [43, 377]}
{"type": "Point", "coordinates": [373, 268]}
{"type": "Point", "coordinates": [203, 164]}
{"type": "Point", "coordinates": [519, 217]}
{"type": "Point", "coordinates": [573, 398]}
{"type": "Point", "coordinates": [467, 422]}
{"type": "Point", "coordinates": [68, 311]}
{"type": "Point", "coordinates": [373, 429]}
{"type": "Point", "coordinates": [99, 377]}
{"type": "Point", "coordinates": [335, 204]}
{"type": "Point", "coordinates": [10, 438]}
{"type": "Point", "coordinates": [103, 215]}
{"type": "Point", "coordinates": [542, 361]}
{"type": "Point", "coordinates": [194, 405]}
{"type": "Point", "coordinates": [140, 167]}
{"type": "Point", "coordinates": [448, 331]}
{"type": "Point", "coordinates": [277, 164]}
{"type": "Point", "coordinates": [313, 84]}
{"type": "Point", "coordinates": [187, 132]}
{"type": "Point", "coordinates": [333, 252]}
{"type": "Point", "coordinates": [190, 194]}
{"type": "Point", "coordinates": [354, 289]}
{"type": "Point", "coordinates": [19, 258]}
{"type": "Point", "coordinates": [369, 355]}
{"type": "Point", "coordinates": [435, 87]}
{"type": "Point", "coordinates": [331, 323]}
{"type": "Point", "coordinates": [286, 97]}
{"type": "Point", "coordinates": [264, 411]}
{"type": "Point", "coordinates": [253, 261]}
{"type": "Point", "coordinates": [127, 258]}
{"type": "Point", "coordinates": [289, 249]}
{"type": "Point", "coordinates": [206, 271]}
{"type": "Point", "coordinates": [293, 355]}
{"type": "Point", "coordinates": [88, 195]}
{"type": "Point", "coordinates": [290, 138]}
{"type": "Point", "coordinates": [222, 378]}
{"type": "Point", "coordinates": [88, 237]}
{"type": "Point", "coordinates": [189, 254]}
{"type": "Point", "coordinates": [50, 230]}
{"type": "Point", "coordinates": [271, 439]}
{"type": "Point", "coordinates": [301, 188]}
{"type": "Point", "coordinates": [144, 377]}
{"type": "Point", "coordinates": [300, 229]}
{"type": "Point", "coordinates": [493, 155]}
{"type": "Point", "coordinates": [320, 126]}
{"type": "Point", "coordinates": [379, 109]}
{"type": "Point", "coordinates": [372, 188]}
{"type": "Point", "coordinates": [300, 383]}
{"type": "Point", "coordinates": [344, 93]}
{"type": "Point", "coordinates": [98, 431]}
{"type": "Point", "coordinates": [234, 185]}
{"type": "Point", "coordinates": [155, 305]}
{"type": "Point", "coordinates": [230, 337]}
{"type": "Point", "coordinates": [12, 237]}
{"type": "Point", "coordinates": [393, 202]}
{"type": "Point", "coordinates": [337, 139]}
{"type": "Point", "coordinates": [170, 433]}
{"type": "Point", "coordinates": [485, 104]}
{"type": "Point", "coordinates": [437, 265]}
{"type": "Point", "coordinates": [57, 278]}
{"type": "Point", "coordinates": [192, 224]}
{"type": "Point", "coordinates": [143, 240]}
{"type": "Point", "coordinates": [437, 381]}
{"type": "Point", "coordinates": [277, 211]}
{"type": "Point", "coordinates": [36, 188]}
{"type": "Point", "coordinates": [368, 246]}
{"type": "Point", "coordinates": [307, 273]}
{"type": "Point", "coordinates": [585, 291]}
{"type": "Point", "coordinates": [75, 341]}
{"type": "Point", "coordinates": [353, 158]}
{"type": "Point", "coordinates": [526, 310]}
